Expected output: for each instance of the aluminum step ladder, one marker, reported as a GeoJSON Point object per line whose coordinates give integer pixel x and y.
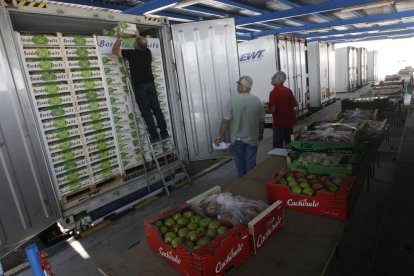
{"type": "Point", "coordinates": [161, 149]}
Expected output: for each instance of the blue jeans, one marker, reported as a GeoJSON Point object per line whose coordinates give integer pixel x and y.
{"type": "Point", "coordinates": [147, 100]}
{"type": "Point", "coordinates": [244, 156]}
{"type": "Point", "coordinates": [280, 135]}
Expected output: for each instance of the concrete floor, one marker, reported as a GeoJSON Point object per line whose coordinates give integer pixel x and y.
{"type": "Point", "coordinates": [355, 251]}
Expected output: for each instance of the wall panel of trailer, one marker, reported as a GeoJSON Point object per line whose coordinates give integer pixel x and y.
{"type": "Point", "coordinates": [372, 66]}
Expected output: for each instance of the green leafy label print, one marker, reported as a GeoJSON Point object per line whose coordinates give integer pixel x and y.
{"type": "Point", "coordinates": [91, 95]}
{"type": "Point", "coordinates": [89, 85]}
{"type": "Point", "coordinates": [84, 63]}
{"type": "Point", "coordinates": [103, 154]}
{"type": "Point", "coordinates": [58, 112]}
{"type": "Point", "coordinates": [75, 186]}
{"type": "Point", "coordinates": [100, 136]}
{"type": "Point", "coordinates": [68, 155]}
{"type": "Point", "coordinates": [96, 116]}
{"type": "Point", "coordinates": [102, 145]}
{"type": "Point", "coordinates": [93, 105]}
{"type": "Point", "coordinates": [82, 52]}
{"type": "Point", "coordinates": [86, 74]}
{"type": "Point", "coordinates": [109, 80]}
{"type": "Point", "coordinates": [135, 143]}
{"type": "Point", "coordinates": [69, 165]}
{"type": "Point", "coordinates": [107, 173]}
{"type": "Point", "coordinates": [111, 90]}
{"type": "Point", "coordinates": [49, 76]}
{"type": "Point", "coordinates": [55, 101]}
{"type": "Point", "coordinates": [125, 163]}
{"type": "Point", "coordinates": [105, 60]}
{"type": "Point", "coordinates": [134, 134]}
{"type": "Point", "coordinates": [115, 109]}
{"type": "Point", "coordinates": [63, 134]}
{"type": "Point", "coordinates": [123, 25]}
{"type": "Point", "coordinates": [105, 165]}
{"type": "Point", "coordinates": [40, 39]}
{"type": "Point", "coordinates": [43, 52]}
{"type": "Point", "coordinates": [45, 65]}
{"type": "Point", "coordinates": [65, 146]}
{"type": "Point", "coordinates": [51, 89]}
{"type": "Point", "coordinates": [60, 124]}
{"type": "Point", "coordinates": [113, 100]}
{"type": "Point", "coordinates": [78, 40]}
{"type": "Point", "coordinates": [72, 176]}
{"type": "Point", "coordinates": [107, 70]}
{"type": "Point", "coordinates": [98, 126]}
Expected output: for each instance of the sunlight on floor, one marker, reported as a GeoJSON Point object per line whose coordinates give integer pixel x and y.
{"type": "Point", "coordinates": [77, 246]}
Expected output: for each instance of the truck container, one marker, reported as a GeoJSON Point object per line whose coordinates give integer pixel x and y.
{"type": "Point", "coordinates": [40, 175]}
{"type": "Point", "coordinates": [321, 57]}
{"type": "Point", "coordinates": [346, 69]}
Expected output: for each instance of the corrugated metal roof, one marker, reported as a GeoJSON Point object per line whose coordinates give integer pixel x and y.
{"type": "Point", "coordinates": [283, 15]}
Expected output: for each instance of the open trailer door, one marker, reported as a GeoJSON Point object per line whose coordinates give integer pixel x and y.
{"type": "Point", "coordinates": [208, 69]}
{"type": "Point", "coordinates": [27, 197]}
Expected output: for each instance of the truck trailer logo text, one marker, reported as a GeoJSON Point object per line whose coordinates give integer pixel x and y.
{"type": "Point", "coordinates": [252, 56]}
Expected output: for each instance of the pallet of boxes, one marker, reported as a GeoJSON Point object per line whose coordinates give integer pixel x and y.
{"type": "Point", "coordinates": [214, 232]}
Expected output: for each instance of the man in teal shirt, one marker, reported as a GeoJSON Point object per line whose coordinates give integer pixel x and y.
{"type": "Point", "coordinates": [244, 114]}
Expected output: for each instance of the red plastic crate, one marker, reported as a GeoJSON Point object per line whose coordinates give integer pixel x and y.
{"type": "Point", "coordinates": [335, 205]}
{"type": "Point", "coordinates": [225, 253]}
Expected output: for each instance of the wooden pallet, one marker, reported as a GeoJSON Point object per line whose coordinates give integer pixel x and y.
{"type": "Point", "coordinates": [69, 200]}
{"type": "Point", "coordinates": [134, 172]}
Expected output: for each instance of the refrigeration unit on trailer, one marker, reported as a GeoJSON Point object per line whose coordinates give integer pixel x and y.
{"type": "Point", "coordinates": [372, 66]}
{"type": "Point", "coordinates": [362, 60]}
{"type": "Point", "coordinates": [346, 69]}
{"type": "Point", "coordinates": [71, 149]}
{"type": "Point", "coordinates": [321, 58]}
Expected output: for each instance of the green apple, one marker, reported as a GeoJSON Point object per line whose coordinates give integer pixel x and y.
{"type": "Point", "coordinates": [158, 224]}
{"type": "Point", "coordinates": [282, 181]}
{"type": "Point", "coordinates": [177, 241]}
{"type": "Point", "coordinates": [188, 214]}
{"type": "Point", "coordinates": [204, 222]}
{"type": "Point", "coordinates": [203, 241]}
{"type": "Point", "coordinates": [183, 232]}
{"type": "Point", "coordinates": [211, 233]}
{"type": "Point", "coordinates": [182, 221]}
{"type": "Point", "coordinates": [163, 229]}
{"type": "Point", "coordinates": [176, 216]}
{"type": "Point", "coordinates": [192, 236]}
{"type": "Point", "coordinates": [222, 229]}
{"type": "Point", "coordinates": [195, 219]}
{"type": "Point", "coordinates": [307, 191]}
{"type": "Point", "coordinates": [169, 236]}
{"type": "Point", "coordinates": [169, 222]}
{"type": "Point", "coordinates": [296, 190]}
{"type": "Point", "coordinates": [337, 181]}
{"type": "Point", "coordinates": [192, 226]}
{"type": "Point", "coordinates": [214, 224]}
{"type": "Point", "coordinates": [200, 231]}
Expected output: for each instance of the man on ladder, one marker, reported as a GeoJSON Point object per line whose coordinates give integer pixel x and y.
{"type": "Point", "coordinates": [140, 60]}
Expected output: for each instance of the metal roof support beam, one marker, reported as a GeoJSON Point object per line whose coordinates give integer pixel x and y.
{"type": "Point", "coordinates": [352, 37]}
{"type": "Point", "coordinates": [294, 5]}
{"type": "Point", "coordinates": [366, 19]}
{"type": "Point", "coordinates": [305, 10]}
{"type": "Point", "coordinates": [152, 6]}
{"type": "Point", "coordinates": [179, 16]}
{"type": "Point", "coordinates": [357, 30]}
{"type": "Point", "coordinates": [104, 5]}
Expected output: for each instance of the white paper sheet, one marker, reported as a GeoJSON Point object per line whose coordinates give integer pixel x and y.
{"type": "Point", "coordinates": [221, 146]}
{"type": "Point", "coordinates": [280, 151]}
